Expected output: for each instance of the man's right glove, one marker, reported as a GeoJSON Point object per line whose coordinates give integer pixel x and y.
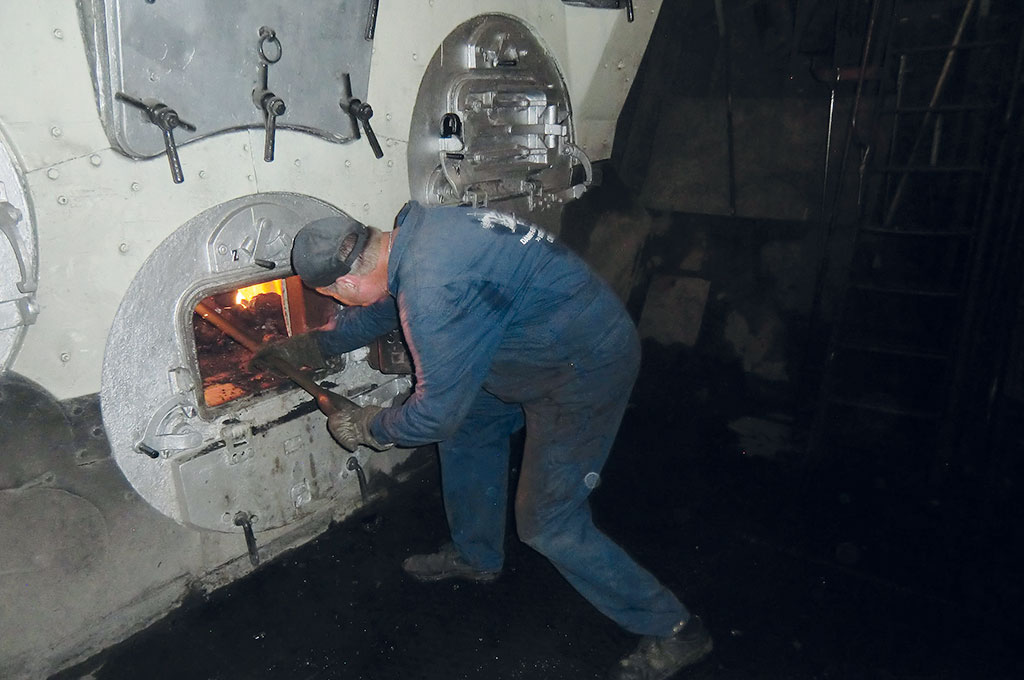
{"type": "Point", "coordinates": [350, 427]}
{"type": "Point", "coordinates": [298, 350]}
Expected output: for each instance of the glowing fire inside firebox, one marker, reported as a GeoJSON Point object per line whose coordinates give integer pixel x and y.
{"type": "Point", "coordinates": [265, 312]}
{"type": "Point", "coordinates": [244, 295]}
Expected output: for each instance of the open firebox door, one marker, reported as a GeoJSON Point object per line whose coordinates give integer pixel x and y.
{"type": "Point", "coordinates": [203, 436]}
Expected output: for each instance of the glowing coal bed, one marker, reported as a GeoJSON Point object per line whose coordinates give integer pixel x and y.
{"type": "Point", "coordinates": [265, 312]}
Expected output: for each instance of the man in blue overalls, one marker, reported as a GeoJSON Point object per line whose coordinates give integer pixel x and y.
{"type": "Point", "coordinates": [506, 328]}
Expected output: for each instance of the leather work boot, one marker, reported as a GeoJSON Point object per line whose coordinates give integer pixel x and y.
{"type": "Point", "coordinates": [444, 564]}
{"type": "Point", "coordinates": [658, 658]}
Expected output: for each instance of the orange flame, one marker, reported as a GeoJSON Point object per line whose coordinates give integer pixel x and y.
{"type": "Point", "coordinates": [243, 295]}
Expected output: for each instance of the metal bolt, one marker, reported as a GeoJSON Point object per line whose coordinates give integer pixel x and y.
{"type": "Point", "coordinates": [222, 249]}
{"type": "Point", "coordinates": [65, 357]}
{"type": "Point", "coordinates": [250, 178]}
{"type": "Point", "coordinates": [135, 186]}
{"type": "Point", "coordinates": [202, 174]}
{"type": "Point", "coordinates": [123, 247]}
{"type": "Point", "coordinates": [53, 173]}
{"type": "Point", "coordinates": [348, 164]}
{"type": "Point", "coordinates": [387, 116]}
{"type": "Point", "coordinates": [391, 164]}
{"type": "Point", "coordinates": [298, 162]}
{"type": "Point", "coordinates": [366, 207]}
{"type": "Point", "coordinates": [414, 56]}
{"type": "Point", "coordinates": [56, 131]}
{"type": "Point", "coordinates": [62, 200]}
{"type": "Point", "coordinates": [96, 160]}
{"type": "Point", "coordinates": [58, 34]}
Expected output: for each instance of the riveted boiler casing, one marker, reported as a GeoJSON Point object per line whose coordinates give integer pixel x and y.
{"type": "Point", "coordinates": [103, 255]}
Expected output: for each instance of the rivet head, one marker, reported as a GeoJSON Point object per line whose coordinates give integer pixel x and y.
{"type": "Point", "coordinates": [62, 200]}
{"type": "Point", "coordinates": [58, 34]}
{"type": "Point", "coordinates": [391, 164]}
{"type": "Point", "coordinates": [136, 186]}
{"type": "Point", "coordinates": [366, 207]}
{"type": "Point", "coordinates": [387, 116]}
{"type": "Point", "coordinates": [348, 164]}
{"type": "Point", "coordinates": [96, 160]}
{"type": "Point", "coordinates": [56, 132]}
{"type": "Point", "coordinates": [202, 174]}
{"type": "Point", "coordinates": [53, 173]}
{"type": "Point", "coordinates": [65, 357]}
{"type": "Point", "coordinates": [123, 248]}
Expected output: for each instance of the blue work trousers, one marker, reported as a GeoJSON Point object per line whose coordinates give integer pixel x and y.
{"type": "Point", "coordinates": [569, 433]}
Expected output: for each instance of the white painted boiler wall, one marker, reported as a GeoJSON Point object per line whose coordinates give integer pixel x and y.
{"type": "Point", "coordinates": [100, 214]}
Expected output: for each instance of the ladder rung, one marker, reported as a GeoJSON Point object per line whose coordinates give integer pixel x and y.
{"type": "Point", "coordinates": [884, 408]}
{"type": "Point", "coordinates": [892, 231]}
{"type": "Point", "coordinates": [905, 290]}
{"type": "Point", "coordinates": [895, 350]}
{"type": "Point", "coordinates": [948, 47]}
{"type": "Point", "coordinates": [941, 108]}
{"type": "Point", "coordinates": [932, 168]}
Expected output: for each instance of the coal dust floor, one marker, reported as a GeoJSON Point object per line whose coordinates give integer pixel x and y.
{"type": "Point", "coordinates": [792, 583]}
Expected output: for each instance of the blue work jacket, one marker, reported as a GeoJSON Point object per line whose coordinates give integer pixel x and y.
{"type": "Point", "coordinates": [486, 301]}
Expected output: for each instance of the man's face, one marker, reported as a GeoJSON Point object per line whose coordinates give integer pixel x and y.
{"type": "Point", "coordinates": [358, 291]}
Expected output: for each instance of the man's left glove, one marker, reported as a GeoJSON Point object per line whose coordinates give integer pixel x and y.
{"type": "Point", "coordinates": [351, 427]}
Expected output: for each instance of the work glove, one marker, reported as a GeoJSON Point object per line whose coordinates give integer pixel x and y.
{"type": "Point", "coordinates": [351, 427]}
{"type": "Point", "coordinates": [298, 350]}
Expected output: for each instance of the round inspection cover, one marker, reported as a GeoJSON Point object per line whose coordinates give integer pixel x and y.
{"type": "Point", "coordinates": [18, 258]}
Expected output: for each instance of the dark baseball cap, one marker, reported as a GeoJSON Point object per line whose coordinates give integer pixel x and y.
{"type": "Point", "coordinates": [316, 249]}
